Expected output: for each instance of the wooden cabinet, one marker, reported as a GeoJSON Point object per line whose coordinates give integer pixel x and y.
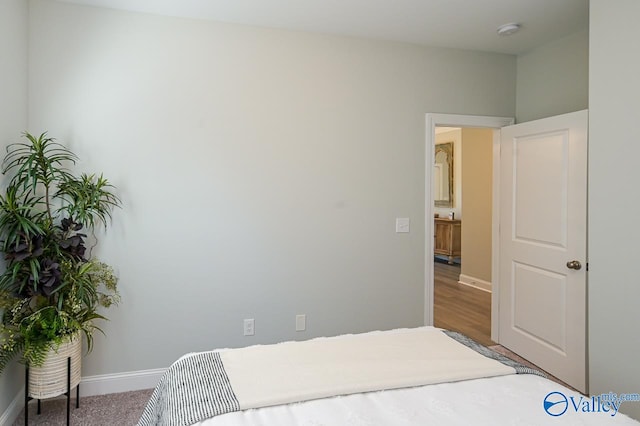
{"type": "Point", "coordinates": [447, 237]}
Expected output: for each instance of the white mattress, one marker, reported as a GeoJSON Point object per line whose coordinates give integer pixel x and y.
{"type": "Point", "coordinates": [504, 400]}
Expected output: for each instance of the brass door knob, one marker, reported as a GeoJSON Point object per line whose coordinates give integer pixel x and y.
{"type": "Point", "coordinates": [574, 264]}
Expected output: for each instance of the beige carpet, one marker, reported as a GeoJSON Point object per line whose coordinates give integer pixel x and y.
{"type": "Point", "coordinates": [102, 410]}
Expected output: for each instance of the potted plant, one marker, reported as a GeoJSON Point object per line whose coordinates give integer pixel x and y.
{"type": "Point", "coordinates": [52, 288]}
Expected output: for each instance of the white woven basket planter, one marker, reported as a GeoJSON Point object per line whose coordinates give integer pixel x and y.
{"type": "Point", "coordinates": [50, 379]}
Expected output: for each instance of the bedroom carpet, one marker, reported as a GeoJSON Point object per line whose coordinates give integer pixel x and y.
{"type": "Point", "coordinates": [124, 409]}
{"type": "Point", "coordinates": [103, 410]}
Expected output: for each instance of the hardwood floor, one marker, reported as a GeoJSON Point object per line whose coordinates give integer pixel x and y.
{"type": "Point", "coordinates": [467, 310]}
{"type": "Point", "coordinates": [459, 307]}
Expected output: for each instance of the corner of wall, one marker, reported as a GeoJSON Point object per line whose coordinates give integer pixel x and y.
{"type": "Point", "coordinates": [541, 93]}
{"type": "Point", "coordinates": [9, 415]}
{"type": "Point", "coordinates": [13, 120]}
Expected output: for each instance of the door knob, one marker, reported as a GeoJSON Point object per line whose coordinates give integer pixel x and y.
{"type": "Point", "coordinates": [574, 264]}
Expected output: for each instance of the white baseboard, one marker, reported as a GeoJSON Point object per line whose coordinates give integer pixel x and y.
{"type": "Point", "coordinates": [13, 410]}
{"type": "Point", "coordinates": [474, 282]}
{"type": "Point", "coordinates": [95, 385]}
{"type": "Point", "coordinates": [120, 382]}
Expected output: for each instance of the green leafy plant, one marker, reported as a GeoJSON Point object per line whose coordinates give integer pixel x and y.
{"type": "Point", "coordinates": [51, 288]}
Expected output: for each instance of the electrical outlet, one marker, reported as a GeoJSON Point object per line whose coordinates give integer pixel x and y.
{"type": "Point", "coordinates": [301, 322]}
{"type": "Point", "coordinates": [249, 327]}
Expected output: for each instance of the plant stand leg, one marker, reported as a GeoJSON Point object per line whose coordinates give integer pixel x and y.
{"type": "Point", "coordinates": [26, 396]}
{"type": "Point", "coordinates": [39, 408]}
{"type": "Point", "coordinates": [68, 387]}
{"type": "Point", "coordinates": [78, 396]}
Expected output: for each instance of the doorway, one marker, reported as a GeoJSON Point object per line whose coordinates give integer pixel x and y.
{"type": "Point", "coordinates": [459, 121]}
{"type": "Point", "coordinates": [556, 145]}
{"type": "Point", "coordinates": [463, 237]}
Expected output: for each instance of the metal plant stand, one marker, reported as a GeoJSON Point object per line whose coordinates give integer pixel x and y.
{"type": "Point", "coordinates": [27, 398]}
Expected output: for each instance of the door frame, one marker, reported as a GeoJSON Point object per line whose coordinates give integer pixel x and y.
{"type": "Point", "coordinates": [454, 120]}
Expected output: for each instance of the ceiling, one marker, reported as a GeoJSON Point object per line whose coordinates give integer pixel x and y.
{"type": "Point", "coordinates": [463, 24]}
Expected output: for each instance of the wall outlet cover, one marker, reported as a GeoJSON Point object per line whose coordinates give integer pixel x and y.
{"type": "Point", "coordinates": [301, 322]}
{"type": "Point", "coordinates": [402, 224]}
{"type": "Point", "coordinates": [249, 327]}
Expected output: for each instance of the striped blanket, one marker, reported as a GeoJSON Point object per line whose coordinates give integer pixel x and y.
{"type": "Point", "coordinates": [202, 385]}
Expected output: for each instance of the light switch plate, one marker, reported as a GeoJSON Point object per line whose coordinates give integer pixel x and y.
{"type": "Point", "coordinates": [402, 224]}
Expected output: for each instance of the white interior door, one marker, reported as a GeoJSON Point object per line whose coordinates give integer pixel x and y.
{"type": "Point", "coordinates": [543, 229]}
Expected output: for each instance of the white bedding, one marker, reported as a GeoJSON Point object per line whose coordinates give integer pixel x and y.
{"type": "Point", "coordinates": [503, 400]}
{"type": "Point", "coordinates": [207, 384]}
{"type": "Point", "coordinates": [265, 375]}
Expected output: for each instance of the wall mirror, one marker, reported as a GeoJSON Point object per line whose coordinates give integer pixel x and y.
{"type": "Point", "coordinates": [443, 175]}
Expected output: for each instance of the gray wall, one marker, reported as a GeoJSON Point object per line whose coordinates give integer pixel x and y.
{"type": "Point", "coordinates": [235, 208]}
{"type": "Point", "coordinates": [553, 79]}
{"type": "Point", "coordinates": [261, 171]}
{"type": "Point", "coordinates": [13, 121]}
{"type": "Point", "coordinates": [614, 203]}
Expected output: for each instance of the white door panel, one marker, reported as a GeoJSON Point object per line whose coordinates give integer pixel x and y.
{"type": "Point", "coordinates": [537, 291]}
{"type": "Point", "coordinates": [543, 180]}
{"type": "Point", "coordinates": [540, 180]}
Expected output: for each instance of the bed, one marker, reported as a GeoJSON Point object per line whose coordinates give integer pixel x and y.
{"type": "Point", "coordinates": [401, 377]}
